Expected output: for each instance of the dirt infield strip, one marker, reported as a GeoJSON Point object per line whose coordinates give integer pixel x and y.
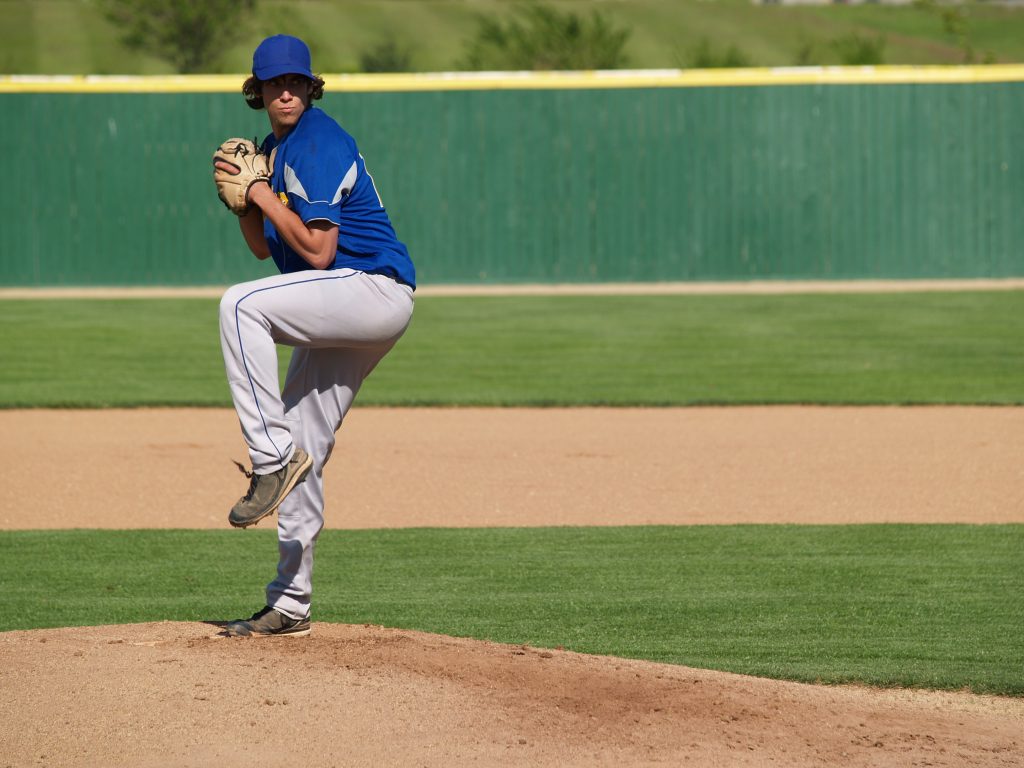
{"type": "Point", "coordinates": [176, 694]}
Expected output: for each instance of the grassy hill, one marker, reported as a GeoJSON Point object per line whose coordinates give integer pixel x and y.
{"type": "Point", "coordinates": [73, 37]}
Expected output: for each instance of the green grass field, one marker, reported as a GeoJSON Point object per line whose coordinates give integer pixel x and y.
{"type": "Point", "coordinates": [935, 606]}
{"type": "Point", "coordinates": [556, 350]}
{"type": "Point", "coordinates": [72, 37]}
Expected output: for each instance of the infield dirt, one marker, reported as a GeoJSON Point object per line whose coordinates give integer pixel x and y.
{"type": "Point", "coordinates": [176, 694]}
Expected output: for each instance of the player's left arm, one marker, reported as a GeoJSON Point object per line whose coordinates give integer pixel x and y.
{"type": "Point", "coordinates": [316, 242]}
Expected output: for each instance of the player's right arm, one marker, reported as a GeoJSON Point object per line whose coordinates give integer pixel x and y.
{"type": "Point", "coordinates": [315, 242]}
{"type": "Point", "coordinates": [252, 230]}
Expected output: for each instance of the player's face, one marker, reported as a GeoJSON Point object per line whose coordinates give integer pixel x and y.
{"type": "Point", "coordinates": [286, 98]}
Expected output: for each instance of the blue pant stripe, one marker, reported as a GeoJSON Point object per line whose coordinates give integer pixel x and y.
{"type": "Point", "coordinates": [241, 347]}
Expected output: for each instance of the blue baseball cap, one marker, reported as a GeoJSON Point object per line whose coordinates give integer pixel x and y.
{"type": "Point", "coordinates": [281, 55]}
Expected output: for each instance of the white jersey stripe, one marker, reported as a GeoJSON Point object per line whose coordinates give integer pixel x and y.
{"type": "Point", "coordinates": [293, 185]}
{"type": "Point", "coordinates": [346, 184]}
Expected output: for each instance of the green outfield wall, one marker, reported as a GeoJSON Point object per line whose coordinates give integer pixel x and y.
{"type": "Point", "coordinates": [541, 179]}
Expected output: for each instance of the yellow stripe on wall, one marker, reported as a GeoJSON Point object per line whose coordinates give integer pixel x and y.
{"type": "Point", "coordinates": [460, 81]}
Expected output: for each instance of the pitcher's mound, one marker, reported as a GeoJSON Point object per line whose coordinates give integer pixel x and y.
{"type": "Point", "coordinates": [177, 694]}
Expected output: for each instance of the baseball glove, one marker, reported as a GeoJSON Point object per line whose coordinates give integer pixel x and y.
{"type": "Point", "coordinates": [247, 166]}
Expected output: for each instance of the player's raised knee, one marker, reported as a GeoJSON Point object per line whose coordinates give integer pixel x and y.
{"type": "Point", "coordinates": [229, 301]}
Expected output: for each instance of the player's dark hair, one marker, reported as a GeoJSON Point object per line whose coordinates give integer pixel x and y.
{"type": "Point", "coordinates": [252, 90]}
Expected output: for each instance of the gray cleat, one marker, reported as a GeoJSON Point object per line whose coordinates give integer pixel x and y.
{"type": "Point", "coordinates": [266, 492]}
{"type": "Point", "coordinates": [267, 622]}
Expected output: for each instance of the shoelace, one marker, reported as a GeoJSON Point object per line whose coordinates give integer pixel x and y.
{"type": "Point", "coordinates": [253, 479]}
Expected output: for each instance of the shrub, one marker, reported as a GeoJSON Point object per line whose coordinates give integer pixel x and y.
{"type": "Point", "coordinates": [385, 56]}
{"type": "Point", "coordinates": [860, 50]}
{"type": "Point", "coordinates": [539, 37]}
{"type": "Point", "coordinates": [705, 56]}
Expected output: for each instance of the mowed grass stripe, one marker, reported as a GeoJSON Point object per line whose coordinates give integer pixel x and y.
{"type": "Point", "coordinates": [935, 606]}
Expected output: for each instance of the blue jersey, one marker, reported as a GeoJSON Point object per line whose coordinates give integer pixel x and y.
{"type": "Point", "coordinates": [320, 174]}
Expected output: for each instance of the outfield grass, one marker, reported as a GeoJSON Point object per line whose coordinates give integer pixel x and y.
{"type": "Point", "coordinates": [563, 350]}
{"type": "Point", "coordinates": [935, 606]}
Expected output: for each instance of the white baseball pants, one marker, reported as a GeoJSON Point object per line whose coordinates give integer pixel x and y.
{"type": "Point", "coordinates": [340, 323]}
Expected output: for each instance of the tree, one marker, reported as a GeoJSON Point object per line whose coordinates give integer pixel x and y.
{"type": "Point", "coordinates": [539, 37]}
{"type": "Point", "coordinates": [186, 33]}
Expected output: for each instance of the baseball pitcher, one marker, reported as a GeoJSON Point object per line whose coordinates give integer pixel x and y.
{"type": "Point", "coordinates": [343, 298]}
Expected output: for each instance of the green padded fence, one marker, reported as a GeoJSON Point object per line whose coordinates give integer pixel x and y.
{"type": "Point", "coordinates": [727, 181]}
